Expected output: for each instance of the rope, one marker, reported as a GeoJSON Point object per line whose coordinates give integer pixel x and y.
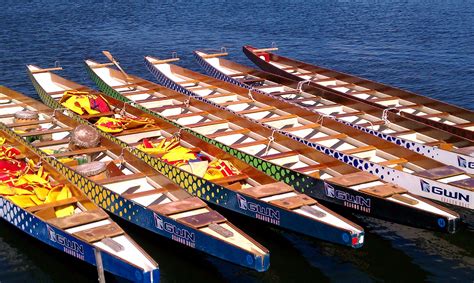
{"type": "Point", "coordinates": [385, 114]}
{"type": "Point", "coordinates": [186, 103]}
{"type": "Point", "coordinates": [299, 86]}
{"type": "Point", "coordinates": [250, 95]}
{"type": "Point", "coordinates": [5, 101]}
{"type": "Point", "coordinates": [271, 139]}
{"type": "Point", "coordinates": [321, 118]}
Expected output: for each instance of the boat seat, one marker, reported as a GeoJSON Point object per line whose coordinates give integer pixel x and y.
{"type": "Point", "coordinates": [228, 133]}
{"type": "Point", "coordinates": [434, 115]}
{"type": "Point", "coordinates": [257, 110]}
{"type": "Point", "coordinates": [304, 99]}
{"type": "Point", "coordinates": [236, 102]}
{"type": "Point", "coordinates": [249, 144]}
{"type": "Point", "coordinates": [280, 93]}
{"type": "Point", "coordinates": [200, 87]}
{"type": "Point", "coordinates": [188, 82]}
{"type": "Point", "coordinates": [341, 85]}
{"type": "Point", "coordinates": [63, 202]}
{"type": "Point", "coordinates": [207, 123]}
{"type": "Point", "coordinates": [192, 114]}
{"type": "Point", "coordinates": [384, 191]}
{"type": "Point", "coordinates": [166, 107]}
{"type": "Point", "coordinates": [267, 190]}
{"type": "Point", "coordinates": [230, 179]}
{"type": "Point", "coordinates": [45, 132]}
{"type": "Point", "coordinates": [465, 125]}
{"type": "Point", "coordinates": [202, 220]}
{"type": "Point", "coordinates": [147, 90]}
{"type": "Point", "coordinates": [281, 155]}
{"type": "Point", "coordinates": [278, 118]}
{"type": "Point", "coordinates": [440, 172]}
{"type": "Point", "coordinates": [323, 80]}
{"type": "Point", "coordinates": [217, 95]}
{"type": "Point", "coordinates": [348, 114]}
{"type": "Point", "coordinates": [441, 144]}
{"type": "Point", "coordinates": [330, 137]}
{"type": "Point", "coordinates": [179, 206]}
{"type": "Point", "coordinates": [294, 202]}
{"type": "Point", "coordinates": [468, 150]}
{"type": "Point", "coordinates": [98, 115]}
{"type": "Point", "coordinates": [80, 151]}
{"type": "Point", "coordinates": [401, 107]}
{"type": "Point", "coordinates": [467, 184]}
{"type": "Point", "coordinates": [405, 199]}
{"type": "Point", "coordinates": [353, 179]}
{"type": "Point", "coordinates": [50, 143]}
{"type": "Point", "coordinates": [98, 233]}
{"type": "Point", "coordinates": [79, 219]}
{"type": "Point", "coordinates": [313, 167]}
{"type": "Point", "coordinates": [31, 123]}
{"type": "Point", "coordinates": [372, 123]}
{"type": "Point", "coordinates": [146, 193]}
{"type": "Point", "coordinates": [136, 131]}
{"type": "Point", "coordinates": [303, 127]}
{"type": "Point", "coordinates": [367, 91]}
{"type": "Point", "coordinates": [120, 178]}
{"type": "Point", "coordinates": [359, 149]}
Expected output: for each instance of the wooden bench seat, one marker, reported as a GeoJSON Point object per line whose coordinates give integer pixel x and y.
{"type": "Point", "coordinates": [235, 102]}
{"type": "Point", "coordinates": [281, 155]}
{"type": "Point", "coordinates": [278, 118]}
{"type": "Point", "coordinates": [267, 190]}
{"type": "Point", "coordinates": [202, 220]}
{"type": "Point", "coordinates": [329, 137]}
{"type": "Point", "coordinates": [30, 123]}
{"type": "Point", "coordinates": [230, 179]}
{"type": "Point", "coordinates": [352, 179]}
{"type": "Point", "coordinates": [167, 107]}
{"type": "Point", "coordinates": [346, 85]}
{"type": "Point", "coordinates": [98, 233]}
{"type": "Point", "coordinates": [384, 191]}
{"type": "Point", "coordinates": [349, 114]}
{"type": "Point", "coordinates": [313, 167]}
{"type": "Point", "coordinates": [434, 115]}
{"type": "Point", "coordinates": [121, 178]}
{"type": "Point", "coordinates": [80, 151]}
{"type": "Point", "coordinates": [280, 93]}
{"type": "Point", "coordinates": [303, 127]}
{"type": "Point", "coordinates": [359, 149]}
{"type": "Point", "coordinates": [393, 162]}
{"type": "Point", "coordinates": [179, 206]}
{"type": "Point", "coordinates": [294, 202]}
{"type": "Point", "coordinates": [207, 123]}
{"type": "Point", "coordinates": [45, 132]}
{"type": "Point", "coordinates": [440, 172]}
{"type": "Point", "coordinates": [58, 203]}
{"type": "Point", "coordinates": [79, 219]}
{"type": "Point", "coordinates": [192, 114]}
{"type": "Point", "coordinates": [237, 75]}
{"type": "Point", "coordinates": [144, 193]}
{"type": "Point", "coordinates": [228, 133]}
{"type": "Point", "coordinates": [252, 143]}
{"type": "Point", "coordinates": [51, 142]}
{"type": "Point", "coordinates": [199, 87]}
{"type": "Point", "coordinates": [467, 184]}
{"type": "Point", "coordinates": [256, 110]}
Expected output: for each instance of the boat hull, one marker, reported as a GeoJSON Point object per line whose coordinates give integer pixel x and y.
{"type": "Point", "coordinates": [146, 218]}
{"type": "Point", "coordinates": [275, 70]}
{"type": "Point", "coordinates": [229, 199]}
{"type": "Point", "coordinates": [314, 187]}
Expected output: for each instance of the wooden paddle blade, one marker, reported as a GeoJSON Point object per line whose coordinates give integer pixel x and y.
{"type": "Point", "coordinates": [109, 55]}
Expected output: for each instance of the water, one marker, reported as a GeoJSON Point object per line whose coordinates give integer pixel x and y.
{"type": "Point", "coordinates": [422, 46]}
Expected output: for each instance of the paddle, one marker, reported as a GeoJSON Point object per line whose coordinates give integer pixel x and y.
{"type": "Point", "coordinates": [116, 63]}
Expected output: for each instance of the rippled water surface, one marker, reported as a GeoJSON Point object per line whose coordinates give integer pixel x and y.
{"type": "Point", "coordinates": [423, 46]}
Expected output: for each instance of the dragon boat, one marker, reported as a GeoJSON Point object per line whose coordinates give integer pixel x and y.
{"type": "Point", "coordinates": [126, 186]}
{"type": "Point", "coordinates": [304, 168]}
{"type": "Point", "coordinates": [427, 140]}
{"type": "Point", "coordinates": [204, 170]}
{"type": "Point", "coordinates": [417, 173]}
{"type": "Point", "coordinates": [36, 198]}
{"type": "Point", "coordinates": [448, 117]}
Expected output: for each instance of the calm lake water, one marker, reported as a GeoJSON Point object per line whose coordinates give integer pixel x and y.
{"type": "Point", "coordinates": [423, 46]}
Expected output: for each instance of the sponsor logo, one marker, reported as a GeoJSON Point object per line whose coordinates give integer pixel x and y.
{"type": "Point", "coordinates": [180, 235]}
{"type": "Point", "coordinates": [356, 202]}
{"type": "Point", "coordinates": [462, 162]}
{"type": "Point", "coordinates": [267, 214]}
{"type": "Point", "coordinates": [444, 193]}
{"type": "Point", "coordinates": [69, 246]}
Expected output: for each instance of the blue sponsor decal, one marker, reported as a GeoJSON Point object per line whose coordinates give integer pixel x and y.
{"type": "Point", "coordinates": [350, 200]}
{"type": "Point", "coordinates": [462, 162]}
{"type": "Point", "coordinates": [180, 235]}
{"type": "Point", "coordinates": [267, 214]}
{"type": "Point", "coordinates": [427, 188]}
{"type": "Point", "coordinates": [69, 245]}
